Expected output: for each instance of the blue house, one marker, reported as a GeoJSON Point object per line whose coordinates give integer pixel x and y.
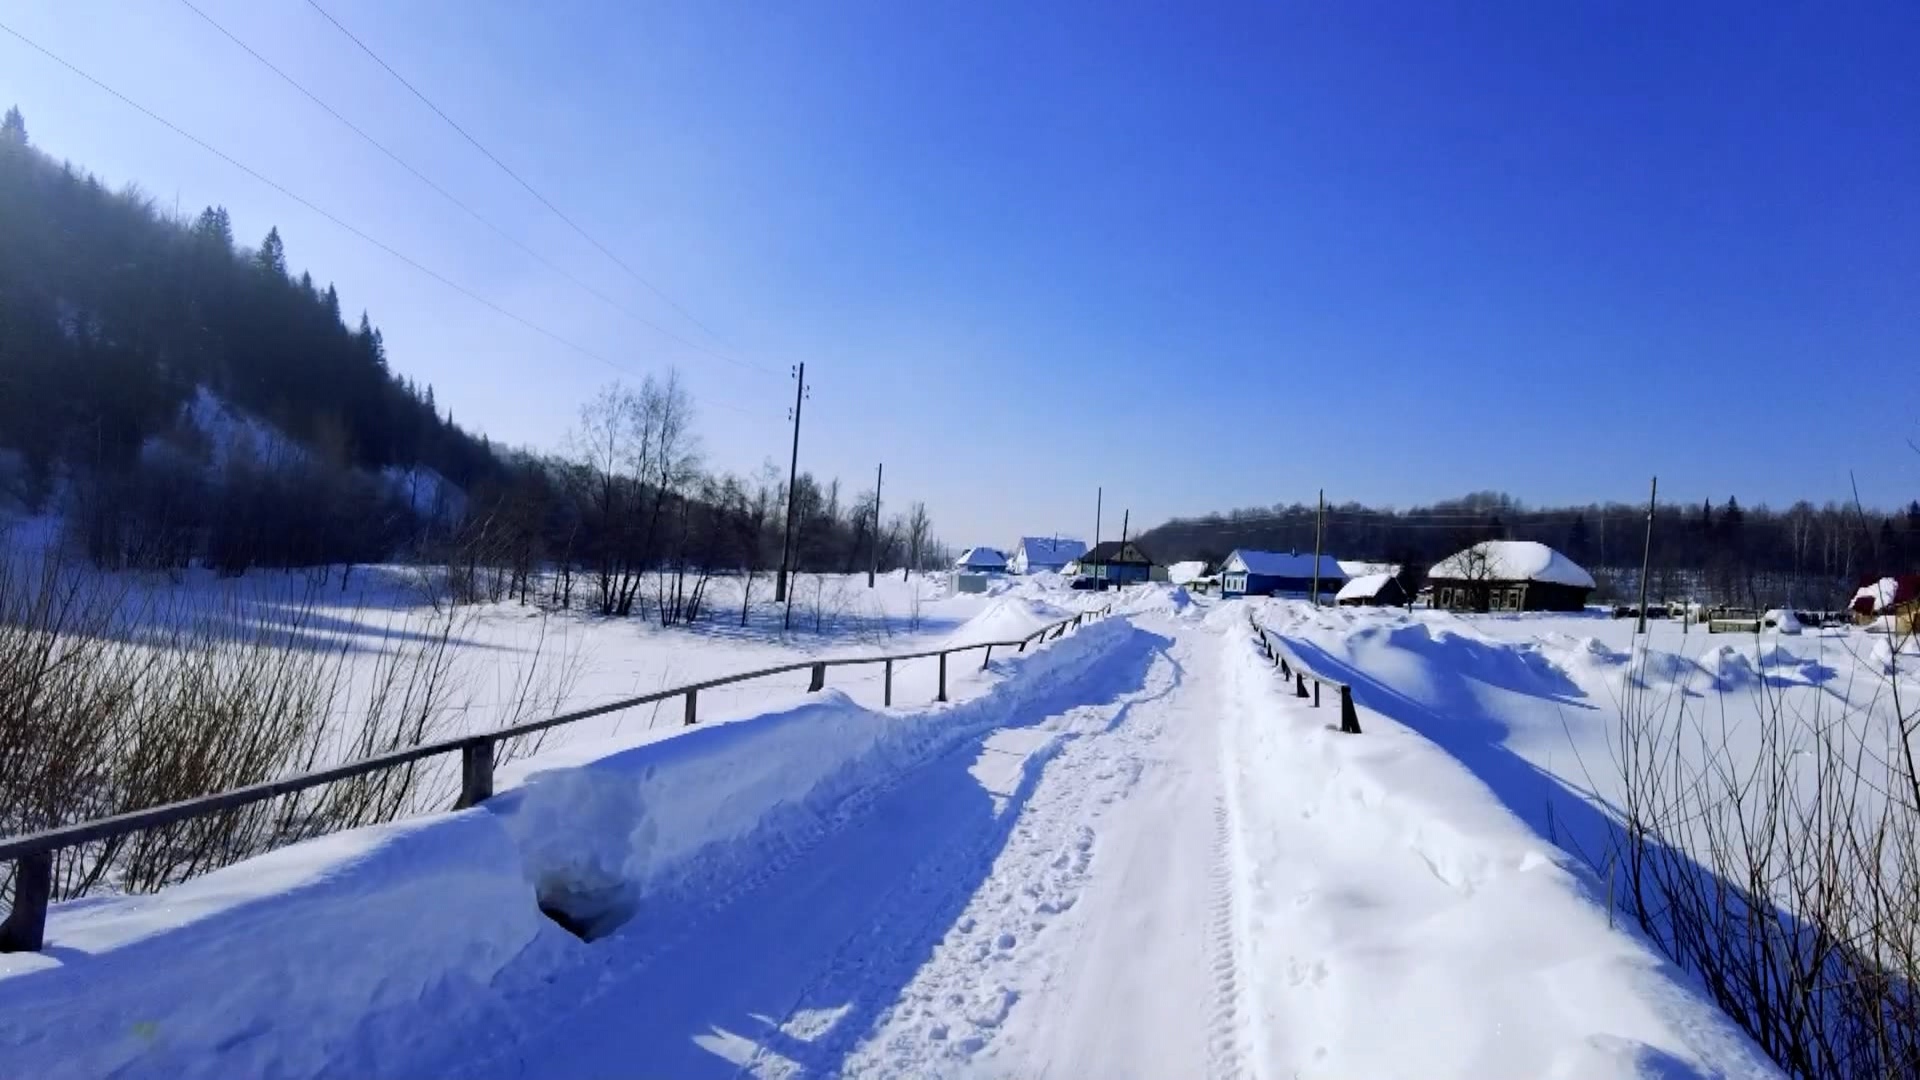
{"type": "Point", "coordinates": [1278, 573]}
{"type": "Point", "coordinates": [1037, 553]}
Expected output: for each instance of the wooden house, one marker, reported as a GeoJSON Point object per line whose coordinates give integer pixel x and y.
{"type": "Point", "coordinates": [1278, 573]}
{"type": "Point", "coordinates": [1509, 575]}
{"type": "Point", "coordinates": [1116, 562]}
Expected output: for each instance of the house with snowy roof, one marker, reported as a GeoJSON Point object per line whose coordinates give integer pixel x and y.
{"type": "Point", "coordinates": [1035, 554]}
{"type": "Point", "coordinates": [1279, 573]}
{"type": "Point", "coordinates": [1509, 575]}
{"type": "Point", "coordinates": [981, 560]}
{"type": "Point", "coordinates": [1372, 590]}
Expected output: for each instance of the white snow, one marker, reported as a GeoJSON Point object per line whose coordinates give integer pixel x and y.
{"type": "Point", "coordinates": [1363, 567]}
{"type": "Point", "coordinates": [1514, 560]}
{"type": "Point", "coordinates": [1185, 573]}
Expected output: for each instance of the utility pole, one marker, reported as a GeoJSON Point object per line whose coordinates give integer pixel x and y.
{"type": "Point", "coordinates": [1646, 557]}
{"type": "Point", "coordinates": [873, 568]}
{"type": "Point", "coordinates": [793, 483]}
{"type": "Point", "coordinates": [1319, 522]}
{"type": "Point", "coordinates": [1124, 516]}
{"type": "Point", "coordinates": [1099, 505]}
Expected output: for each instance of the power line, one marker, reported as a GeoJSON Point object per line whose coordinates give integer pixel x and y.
{"type": "Point", "coordinates": [530, 189]}
{"type": "Point", "coordinates": [369, 238]}
{"type": "Point", "coordinates": [451, 198]}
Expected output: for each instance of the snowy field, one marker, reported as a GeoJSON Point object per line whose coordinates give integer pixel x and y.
{"type": "Point", "coordinates": [1129, 853]}
{"type": "Point", "coordinates": [1534, 704]}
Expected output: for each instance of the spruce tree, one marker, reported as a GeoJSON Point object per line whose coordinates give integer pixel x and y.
{"type": "Point", "coordinates": [272, 256]}
{"type": "Point", "coordinates": [13, 130]}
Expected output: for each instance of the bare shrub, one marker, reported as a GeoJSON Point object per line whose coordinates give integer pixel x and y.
{"type": "Point", "coordinates": [111, 701]}
{"type": "Point", "coordinates": [1782, 866]}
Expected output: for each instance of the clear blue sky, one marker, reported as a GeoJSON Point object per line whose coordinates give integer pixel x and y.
{"type": "Point", "coordinates": [1205, 255]}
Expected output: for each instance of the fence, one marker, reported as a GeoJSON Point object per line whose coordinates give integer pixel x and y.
{"type": "Point", "coordinates": [1291, 668]}
{"type": "Point", "coordinates": [25, 927]}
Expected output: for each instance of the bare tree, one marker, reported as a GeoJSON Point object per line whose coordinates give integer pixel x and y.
{"type": "Point", "coordinates": [919, 529]}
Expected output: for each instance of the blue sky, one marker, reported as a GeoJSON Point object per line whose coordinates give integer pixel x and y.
{"type": "Point", "coordinates": [1205, 256]}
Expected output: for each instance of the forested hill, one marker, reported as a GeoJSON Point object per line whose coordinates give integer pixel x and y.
{"type": "Point", "coordinates": [113, 314]}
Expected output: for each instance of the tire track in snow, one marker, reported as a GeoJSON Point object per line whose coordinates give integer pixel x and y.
{"type": "Point", "coordinates": [948, 1019]}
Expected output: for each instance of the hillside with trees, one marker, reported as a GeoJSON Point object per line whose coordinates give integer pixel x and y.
{"type": "Point", "coordinates": [179, 398]}
{"type": "Point", "coordinates": [1806, 556]}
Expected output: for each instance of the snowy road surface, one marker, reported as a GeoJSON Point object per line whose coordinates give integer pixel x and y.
{"type": "Point", "coordinates": [1049, 899]}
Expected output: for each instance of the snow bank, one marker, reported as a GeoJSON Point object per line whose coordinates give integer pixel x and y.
{"type": "Point", "coordinates": [1182, 573]}
{"type": "Point", "coordinates": [329, 958]}
{"type": "Point", "coordinates": [1417, 928]}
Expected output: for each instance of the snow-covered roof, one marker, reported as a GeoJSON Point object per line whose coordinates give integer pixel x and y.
{"type": "Point", "coordinates": [1886, 594]}
{"type": "Point", "coordinates": [1287, 564]}
{"type": "Point", "coordinates": [1365, 587]}
{"type": "Point", "coordinates": [1050, 550]}
{"type": "Point", "coordinates": [981, 558]}
{"type": "Point", "coordinates": [1181, 573]}
{"type": "Point", "coordinates": [1354, 568]}
{"type": "Point", "coordinates": [1513, 560]}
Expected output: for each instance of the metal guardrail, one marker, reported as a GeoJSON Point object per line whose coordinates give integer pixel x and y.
{"type": "Point", "coordinates": [1291, 668]}
{"type": "Point", "coordinates": [32, 855]}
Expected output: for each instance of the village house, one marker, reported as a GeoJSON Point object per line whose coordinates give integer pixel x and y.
{"type": "Point", "coordinates": [1116, 562]}
{"type": "Point", "coordinates": [981, 560]}
{"type": "Point", "coordinates": [1509, 575]}
{"type": "Point", "coordinates": [1037, 554]}
{"type": "Point", "coordinates": [1372, 590]}
{"type": "Point", "coordinates": [1278, 573]}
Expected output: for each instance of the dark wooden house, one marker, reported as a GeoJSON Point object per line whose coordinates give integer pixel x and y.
{"type": "Point", "coordinates": [1116, 562]}
{"type": "Point", "coordinates": [1510, 575]}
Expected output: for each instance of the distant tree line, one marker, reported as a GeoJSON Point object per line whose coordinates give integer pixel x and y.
{"type": "Point", "coordinates": [1805, 555]}
{"type": "Point", "coordinates": [628, 523]}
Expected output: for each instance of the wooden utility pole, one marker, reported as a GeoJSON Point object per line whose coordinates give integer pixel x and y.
{"type": "Point", "coordinates": [879, 473]}
{"type": "Point", "coordinates": [1646, 556]}
{"type": "Point", "coordinates": [793, 482]}
{"type": "Point", "coordinates": [1124, 515]}
{"type": "Point", "coordinates": [1319, 522]}
{"type": "Point", "coordinates": [1099, 504]}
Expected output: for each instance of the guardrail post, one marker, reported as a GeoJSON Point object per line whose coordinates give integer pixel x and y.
{"type": "Point", "coordinates": [886, 694]}
{"type": "Point", "coordinates": [1300, 684]}
{"type": "Point", "coordinates": [1316, 693]}
{"type": "Point", "coordinates": [26, 927]}
{"type": "Point", "coordinates": [988, 660]}
{"type": "Point", "coordinates": [1076, 622]}
{"type": "Point", "coordinates": [943, 678]}
{"type": "Point", "coordinates": [1349, 718]}
{"type": "Point", "coordinates": [693, 714]}
{"type": "Point", "coordinates": [1286, 672]}
{"type": "Point", "coordinates": [819, 681]}
{"type": "Point", "coordinates": [476, 773]}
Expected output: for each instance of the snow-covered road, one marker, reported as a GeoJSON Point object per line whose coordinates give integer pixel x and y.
{"type": "Point", "coordinates": [1049, 899]}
